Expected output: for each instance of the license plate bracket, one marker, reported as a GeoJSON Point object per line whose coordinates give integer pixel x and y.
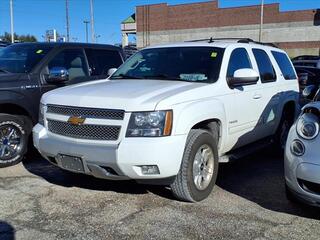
{"type": "Point", "coordinates": [71, 163]}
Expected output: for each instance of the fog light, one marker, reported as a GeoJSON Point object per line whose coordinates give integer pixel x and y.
{"type": "Point", "coordinates": [297, 148]}
{"type": "Point", "coordinates": [150, 170]}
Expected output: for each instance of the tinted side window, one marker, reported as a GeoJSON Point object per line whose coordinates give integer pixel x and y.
{"type": "Point", "coordinates": [239, 59]}
{"type": "Point", "coordinates": [267, 73]}
{"type": "Point", "coordinates": [100, 61]}
{"type": "Point", "coordinates": [285, 65]}
{"type": "Point", "coordinates": [22, 58]}
{"type": "Point", "coordinates": [73, 60]}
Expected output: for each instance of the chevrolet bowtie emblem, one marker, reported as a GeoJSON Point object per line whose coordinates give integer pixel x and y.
{"type": "Point", "coordinates": [76, 120]}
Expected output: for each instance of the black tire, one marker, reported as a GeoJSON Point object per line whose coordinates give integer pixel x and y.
{"type": "Point", "coordinates": [280, 138]}
{"type": "Point", "coordinates": [21, 125]}
{"type": "Point", "coordinates": [183, 187]}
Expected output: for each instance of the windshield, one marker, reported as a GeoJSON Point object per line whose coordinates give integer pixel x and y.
{"type": "Point", "coordinates": [21, 58]}
{"type": "Point", "coordinates": [193, 64]}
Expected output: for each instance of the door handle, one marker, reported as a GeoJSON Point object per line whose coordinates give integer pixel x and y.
{"type": "Point", "coordinates": [257, 96]}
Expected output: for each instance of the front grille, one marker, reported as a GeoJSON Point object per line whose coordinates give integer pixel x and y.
{"type": "Point", "coordinates": [86, 112]}
{"type": "Point", "coordinates": [90, 132]}
{"type": "Point", "coordinates": [309, 186]}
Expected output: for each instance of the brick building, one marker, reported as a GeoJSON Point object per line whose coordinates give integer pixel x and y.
{"type": "Point", "coordinates": [296, 31]}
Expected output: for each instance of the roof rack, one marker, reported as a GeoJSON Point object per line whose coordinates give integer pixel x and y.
{"type": "Point", "coordinates": [249, 40]}
{"type": "Point", "coordinates": [238, 40]}
{"type": "Point", "coordinates": [209, 40]}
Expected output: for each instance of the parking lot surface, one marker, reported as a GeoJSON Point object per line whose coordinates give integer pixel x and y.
{"type": "Point", "coordinates": [40, 201]}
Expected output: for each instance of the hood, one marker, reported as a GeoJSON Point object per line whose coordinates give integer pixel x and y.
{"type": "Point", "coordinates": [128, 95]}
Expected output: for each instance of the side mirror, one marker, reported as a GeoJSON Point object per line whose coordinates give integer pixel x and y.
{"type": "Point", "coordinates": [111, 71]}
{"type": "Point", "coordinates": [308, 91]}
{"type": "Point", "coordinates": [58, 75]}
{"type": "Point", "coordinates": [244, 76]}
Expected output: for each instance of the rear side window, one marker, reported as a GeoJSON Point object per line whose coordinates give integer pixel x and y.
{"type": "Point", "coordinates": [239, 59]}
{"type": "Point", "coordinates": [284, 65]}
{"type": "Point", "coordinates": [100, 61]}
{"type": "Point", "coordinates": [267, 73]}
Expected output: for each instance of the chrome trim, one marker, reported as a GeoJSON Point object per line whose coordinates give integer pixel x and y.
{"type": "Point", "coordinates": [112, 114]}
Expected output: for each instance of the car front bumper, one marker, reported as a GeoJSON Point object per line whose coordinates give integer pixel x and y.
{"type": "Point", "coordinates": [303, 170]}
{"type": "Point", "coordinates": [125, 159]}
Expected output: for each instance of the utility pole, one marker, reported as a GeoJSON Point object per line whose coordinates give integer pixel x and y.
{"type": "Point", "coordinates": [261, 20]}
{"type": "Point", "coordinates": [93, 38]}
{"type": "Point", "coordinates": [11, 21]}
{"type": "Point", "coordinates": [67, 21]}
{"type": "Point", "coordinates": [86, 22]}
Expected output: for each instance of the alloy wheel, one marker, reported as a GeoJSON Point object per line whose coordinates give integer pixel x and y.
{"type": "Point", "coordinates": [203, 167]}
{"type": "Point", "coordinates": [10, 142]}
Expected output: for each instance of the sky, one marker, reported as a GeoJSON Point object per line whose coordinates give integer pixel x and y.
{"type": "Point", "coordinates": [37, 16]}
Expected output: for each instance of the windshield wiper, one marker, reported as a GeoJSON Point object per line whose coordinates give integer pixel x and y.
{"type": "Point", "coordinates": [4, 71]}
{"type": "Point", "coordinates": [124, 76]}
{"type": "Point", "coordinates": [165, 77]}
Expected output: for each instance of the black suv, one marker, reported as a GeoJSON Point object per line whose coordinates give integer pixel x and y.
{"type": "Point", "coordinates": [307, 61]}
{"type": "Point", "coordinates": [27, 70]}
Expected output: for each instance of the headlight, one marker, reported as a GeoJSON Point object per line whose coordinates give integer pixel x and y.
{"type": "Point", "coordinates": [308, 126]}
{"type": "Point", "coordinates": [41, 113]}
{"type": "Point", "coordinates": [150, 124]}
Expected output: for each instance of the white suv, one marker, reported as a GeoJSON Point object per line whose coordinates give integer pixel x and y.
{"type": "Point", "coordinates": [171, 113]}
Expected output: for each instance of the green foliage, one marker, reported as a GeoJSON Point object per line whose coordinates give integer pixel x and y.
{"type": "Point", "coordinates": [18, 38]}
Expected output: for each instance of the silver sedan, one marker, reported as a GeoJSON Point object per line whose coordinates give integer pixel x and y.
{"type": "Point", "coordinates": [302, 157]}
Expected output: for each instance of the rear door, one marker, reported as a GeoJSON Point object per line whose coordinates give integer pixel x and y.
{"type": "Point", "coordinates": [269, 102]}
{"type": "Point", "coordinates": [101, 60]}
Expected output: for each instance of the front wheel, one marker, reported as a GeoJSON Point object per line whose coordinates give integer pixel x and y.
{"type": "Point", "coordinates": [14, 133]}
{"type": "Point", "coordinates": [199, 167]}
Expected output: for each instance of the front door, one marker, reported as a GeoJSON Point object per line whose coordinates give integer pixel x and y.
{"type": "Point", "coordinates": [247, 102]}
{"type": "Point", "coordinates": [74, 61]}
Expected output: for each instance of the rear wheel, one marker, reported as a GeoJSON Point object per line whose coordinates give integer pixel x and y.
{"type": "Point", "coordinates": [282, 133]}
{"type": "Point", "coordinates": [199, 168]}
{"type": "Point", "coordinates": [14, 133]}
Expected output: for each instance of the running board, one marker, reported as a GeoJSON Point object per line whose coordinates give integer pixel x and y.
{"type": "Point", "coordinates": [245, 151]}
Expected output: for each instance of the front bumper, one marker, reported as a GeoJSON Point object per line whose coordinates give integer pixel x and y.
{"type": "Point", "coordinates": [303, 169]}
{"type": "Point", "coordinates": [124, 158]}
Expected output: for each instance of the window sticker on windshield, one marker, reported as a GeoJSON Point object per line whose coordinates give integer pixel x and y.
{"type": "Point", "coordinates": [193, 77]}
{"type": "Point", "coordinates": [39, 51]}
{"type": "Point", "coordinates": [214, 54]}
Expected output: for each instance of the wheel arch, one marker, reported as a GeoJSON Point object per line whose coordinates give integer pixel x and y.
{"type": "Point", "coordinates": [209, 115]}
{"type": "Point", "coordinates": [14, 109]}
{"type": "Point", "coordinates": [213, 125]}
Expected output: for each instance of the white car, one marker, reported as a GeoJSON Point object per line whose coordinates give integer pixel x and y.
{"type": "Point", "coordinates": [171, 113]}
{"type": "Point", "coordinates": [302, 161]}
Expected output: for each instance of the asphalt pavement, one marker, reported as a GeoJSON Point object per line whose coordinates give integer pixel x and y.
{"type": "Point", "coordinates": [40, 201]}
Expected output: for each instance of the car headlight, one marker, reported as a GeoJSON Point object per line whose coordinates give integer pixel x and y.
{"type": "Point", "coordinates": [308, 126]}
{"type": "Point", "coordinates": [41, 113]}
{"type": "Point", "coordinates": [150, 124]}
